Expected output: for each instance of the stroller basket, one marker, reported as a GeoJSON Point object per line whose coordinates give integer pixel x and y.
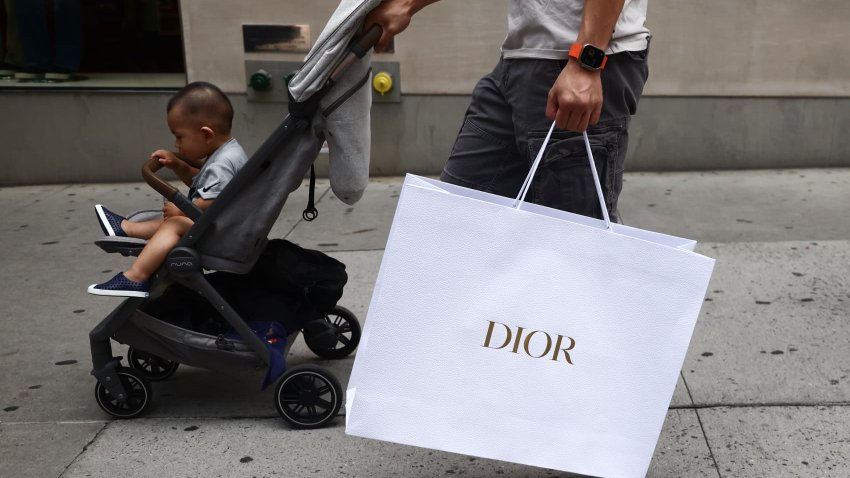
{"type": "Point", "coordinates": [196, 349]}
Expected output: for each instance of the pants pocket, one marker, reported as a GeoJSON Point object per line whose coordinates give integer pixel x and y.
{"type": "Point", "coordinates": [564, 179]}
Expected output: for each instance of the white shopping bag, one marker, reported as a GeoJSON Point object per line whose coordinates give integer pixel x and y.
{"type": "Point", "coordinates": [516, 332]}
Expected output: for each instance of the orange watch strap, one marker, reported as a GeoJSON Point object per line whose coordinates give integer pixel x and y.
{"type": "Point", "coordinates": [575, 50]}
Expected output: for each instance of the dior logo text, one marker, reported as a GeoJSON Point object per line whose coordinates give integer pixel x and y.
{"type": "Point", "coordinates": [535, 343]}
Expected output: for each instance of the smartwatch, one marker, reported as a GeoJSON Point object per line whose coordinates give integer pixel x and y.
{"type": "Point", "coordinates": [588, 56]}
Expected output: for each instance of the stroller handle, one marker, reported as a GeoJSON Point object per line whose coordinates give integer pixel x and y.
{"type": "Point", "coordinates": [168, 191]}
{"type": "Point", "coordinates": [358, 49]}
{"type": "Point", "coordinates": [160, 185]}
{"type": "Point", "coordinates": [370, 38]}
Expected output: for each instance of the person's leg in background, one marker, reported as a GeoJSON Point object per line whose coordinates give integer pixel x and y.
{"type": "Point", "coordinates": [35, 39]}
{"type": "Point", "coordinates": [39, 63]}
{"type": "Point", "coordinates": [68, 21]}
{"type": "Point", "coordinates": [6, 69]}
{"type": "Point", "coordinates": [11, 56]}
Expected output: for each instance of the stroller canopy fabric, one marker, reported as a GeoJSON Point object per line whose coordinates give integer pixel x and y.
{"type": "Point", "coordinates": [348, 133]}
{"type": "Point", "coordinates": [330, 48]}
{"type": "Point", "coordinates": [240, 220]}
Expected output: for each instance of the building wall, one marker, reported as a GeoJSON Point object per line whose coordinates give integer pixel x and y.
{"type": "Point", "coordinates": [733, 85]}
{"type": "Point", "coordinates": [105, 137]}
{"type": "Point", "coordinates": [758, 48]}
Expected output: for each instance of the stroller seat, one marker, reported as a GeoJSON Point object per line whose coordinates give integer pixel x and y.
{"type": "Point", "coordinates": [126, 246]}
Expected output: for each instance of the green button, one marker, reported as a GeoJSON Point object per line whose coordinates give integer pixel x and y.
{"type": "Point", "coordinates": [261, 81]}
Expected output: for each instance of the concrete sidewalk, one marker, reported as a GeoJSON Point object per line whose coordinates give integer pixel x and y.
{"type": "Point", "coordinates": [765, 389]}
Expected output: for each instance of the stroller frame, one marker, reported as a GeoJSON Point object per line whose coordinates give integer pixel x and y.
{"type": "Point", "coordinates": [127, 388]}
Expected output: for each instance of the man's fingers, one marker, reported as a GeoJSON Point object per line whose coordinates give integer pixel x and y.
{"type": "Point", "coordinates": [564, 118]}
{"type": "Point", "coordinates": [373, 18]}
{"type": "Point", "coordinates": [551, 107]}
{"type": "Point", "coordinates": [568, 112]}
{"type": "Point", "coordinates": [370, 20]}
{"type": "Point", "coordinates": [597, 113]}
{"type": "Point", "coordinates": [572, 116]}
{"type": "Point", "coordinates": [581, 123]}
{"type": "Point", "coordinates": [383, 41]}
{"type": "Point", "coordinates": [572, 119]}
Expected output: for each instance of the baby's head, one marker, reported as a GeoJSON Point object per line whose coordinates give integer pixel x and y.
{"type": "Point", "coordinates": [200, 117]}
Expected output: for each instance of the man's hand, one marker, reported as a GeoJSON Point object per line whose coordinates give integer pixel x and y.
{"type": "Point", "coordinates": [575, 100]}
{"type": "Point", "coordinates": [393, 16]}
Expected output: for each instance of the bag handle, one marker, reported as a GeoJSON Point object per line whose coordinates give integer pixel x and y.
{"type": "Point", "coordinates": [526, 185]}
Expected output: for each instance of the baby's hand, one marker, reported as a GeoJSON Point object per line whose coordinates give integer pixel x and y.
{"type": "Point", "coordinates": [170, 210]}
{"type": "Point", "coordinates": [167, 159]}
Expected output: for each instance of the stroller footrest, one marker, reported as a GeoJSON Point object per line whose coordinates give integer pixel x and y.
{"type": "Point", "coordinates": [126, 246]}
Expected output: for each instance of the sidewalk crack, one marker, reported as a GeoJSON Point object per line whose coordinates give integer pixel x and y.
{"type": "Point", "coordinates": [701, 426]}
{"type": "Point", "coordinates": [85, 448]}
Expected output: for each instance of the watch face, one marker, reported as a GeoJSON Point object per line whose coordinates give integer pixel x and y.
{"type": "Point", "coordinates": [591, 56]}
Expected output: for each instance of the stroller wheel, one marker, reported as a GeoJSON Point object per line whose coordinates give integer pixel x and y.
{"type": "Point", "coordinates": [138, 395]}
{"type": "Point", "coordinates": [307, 396]}
{"type": "Point", "coordinates": [152, 367]}
{"type": "Point", "coordinates": [342, 324]}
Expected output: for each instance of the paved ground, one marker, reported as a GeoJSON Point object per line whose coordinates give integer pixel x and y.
{"type": "Point", "coordinates": [765, 389]}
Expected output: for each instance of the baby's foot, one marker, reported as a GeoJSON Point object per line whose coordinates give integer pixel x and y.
{"type": "Point", "coordinates": [109, 221]}
{"type": "Point", "coordinates": [121, 286]}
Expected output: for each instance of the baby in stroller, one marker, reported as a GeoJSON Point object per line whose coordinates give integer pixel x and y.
{"type": "Point", "coordinates": [200, 116]}
{"type": "Point", "coordinates": [222, 267]}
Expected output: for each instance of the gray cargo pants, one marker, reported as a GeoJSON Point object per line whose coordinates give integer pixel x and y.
{"type": "Point", "coordinates": [506, 123]}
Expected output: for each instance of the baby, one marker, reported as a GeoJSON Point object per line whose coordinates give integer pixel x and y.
{"type": "Point", "coordinates": [200, 117]}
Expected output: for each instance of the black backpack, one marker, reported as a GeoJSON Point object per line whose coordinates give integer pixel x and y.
{"type": "Point", "coordinates": [292, 270]}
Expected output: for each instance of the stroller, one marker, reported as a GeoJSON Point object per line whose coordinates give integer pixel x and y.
{"type": "Point", "coordinates": [199, 319]}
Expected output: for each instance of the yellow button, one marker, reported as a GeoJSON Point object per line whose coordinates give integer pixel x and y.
{"type": "Point", "coordinates": [382, 82]}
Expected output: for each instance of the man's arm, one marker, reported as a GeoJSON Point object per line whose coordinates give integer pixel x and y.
{"type": "Point", "coordinates": [575, 100]}
{"type": "Point", "coordinates": [393, 16]}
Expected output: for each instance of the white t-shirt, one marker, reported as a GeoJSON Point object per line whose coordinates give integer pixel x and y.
{"type": "Point", "coordinates": [546, 28]}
